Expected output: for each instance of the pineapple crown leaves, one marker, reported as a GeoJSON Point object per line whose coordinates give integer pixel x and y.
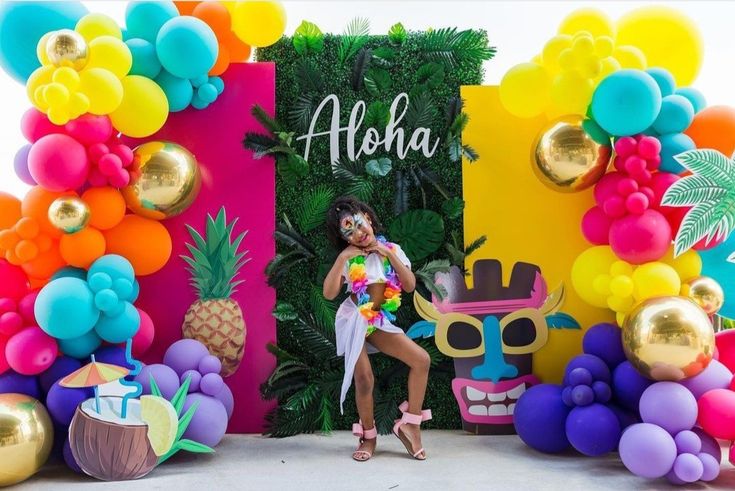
{"type": "Point", "coordinates": [215, 261]}
{"type": "Point", "coordinates": [710, 192]}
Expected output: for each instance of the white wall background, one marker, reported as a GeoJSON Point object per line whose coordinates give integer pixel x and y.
{"type": "Point", "coordinates": [518, 29]}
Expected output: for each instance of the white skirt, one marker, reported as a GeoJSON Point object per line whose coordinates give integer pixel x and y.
{"type": "Point", "coordinates": [350, 329]}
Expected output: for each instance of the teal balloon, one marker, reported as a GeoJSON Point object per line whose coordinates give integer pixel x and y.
{"type": "Point", "coordinates": [23, 24]}
{"type": "Point", "coordinates": [198, 103]}
{"type": "Point", "coordinates": [136, 291]}
{"type": "Point", "coordinates": [218, 83]}
{"type": "Point", "coordinates": [80, 347]}
{"type": "Point", "coordinates": [145, 60]}
{"type": "Point", "coordinates": [187, 47]}
{"type": "Point", "coordinates": [113, 265]}
{"type": "Point", "coordinates": [672, 145]}
{"type": "Point", "coordinates": [664, 80]}
{"type": "Point", "coordinates": [626, 102]}
{"type": "Point", "coordinates": [70, 272]}
{"type": "Point", "coordinates": [695, 97]}
{"type": "Point", "coordinates": [716, 266]}
{"type": "Point", "coordinates": [675, 116]}
{"type": "Point", "coordinates": [144, 19]}
{"type": "Point", "coordinates": [119, 328]}
{"type": "Point", "coordinates": [65, 308]}
{"type": "Point", "coordinates": [208, 93]}
{"type": "Point", "coordinates": [178, 91]}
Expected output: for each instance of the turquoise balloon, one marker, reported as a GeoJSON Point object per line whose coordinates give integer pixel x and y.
{"type": "Point", "coordinates": [178, 91]}
{"type": "Point", "coordinates": [113, 265]}
{"type": "Point", "coordinates": [23, 24]}
{"type": "Point", "coordinates": [672, 145]}
{"type": "Point", "coordinates": [187, 47]}
{"type": "Point", "coordinates": [144, 19]}
{"type": "Point", "coordinates": [119, 328]}
{"type": "Point", "coordinates": [218, 83]}
{"type": "Point", "coordinates": [675, 116]}
{"type": "Point", "coordinates": [145, 60]}
{"type": "Point", "coordinates": [695, 97]}
{"type": "Point", "coordinates": [80, 347]}
{"type": "Point", "coordinates": [208, 93]}
{"type": "Point", "coordinates": [716, 266]}
{"type": "Point", "coordinates": [65, 308]}
{"type": "Point", "coordinates": [664, 80]}
{"type": "Point", "coordinates": [626, 102]}
{"type": "Point", "coordinates": [198, 103]}
{"type": "Point", "coordinates": [70, 272]}
{"type": "Point", "coordinates": [136, 291]}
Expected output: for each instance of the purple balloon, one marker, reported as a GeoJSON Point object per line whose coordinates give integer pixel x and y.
{"type": "Point", "coordinates": [671, 477]}
{"type": "Point", "coordinates": [539, 418]}
{"type": "Point", "coordinates": [688, 442]}
{"type": "Point", "coordinates": [185, 354]}
{"type": "Point", "coordinates": [61, 402]}
{"type": "Point", "coordinates": [226, 398]}
{"type": "Point", "coordinates": [647, 450]}
{"type": "Point", "coordinates": [20, 163]}
{"type": "Point", "coordinates": [709, 444]}
{"type": "Point", "coordinates": [710, 467]}
{"type": "Point", "coordinates": [628, 386]}
{"type": "Point", "coordinates": [209, 423]}
{"type": "Point", "coordinates": [606, 342]}
{"type": "Point", "coordinates": [62, 366]}
{"type": "Point", "coordinates": [625, 418]}
{"type": "Point", "coordinates": [688, 467]}
{"type": "Point", "coordinates": [583, 395]}
{"type": "Point", "coordinates": [595, 365]}
{"type": "Point", "coordinates": [69, 458]}
{"type": "Point", "coordinates": [195, 378]}
{"type": "Point", "coordinates": [670, 406]}
{"type": "Point", "coordinates": [211, 384]}
{"type": "Point", "coordinates": [566, 396]}
{"type": "Point", "coordinates": [210, 364]}
{"type": "Point", "coordinates": [593, 430]}
{"type": "Point", "coordinates": [602, 391]}
{"type": "Point", "coordinates": [114, 355]}
{"type": "Point", "coordinates": [580, 376]}
{"type": "Point", "coordinates": [166, 379]}
{"type": "Point", "coordinates": [715, 376]}
{"type": "Point", "coordinates": [11, 381]}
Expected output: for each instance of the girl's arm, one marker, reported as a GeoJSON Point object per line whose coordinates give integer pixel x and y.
{"type": "Point", "coordinates": [333, 282]}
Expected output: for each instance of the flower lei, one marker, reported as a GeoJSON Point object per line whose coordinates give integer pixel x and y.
{"type": "Point", "coordinates": [357, 275]}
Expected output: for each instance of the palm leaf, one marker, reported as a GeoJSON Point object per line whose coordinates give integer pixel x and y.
{"type": "Point", "coordinates": [313, 210]}
{"type": "Point", "coordinates": [362, 188]}
{"type": "Point", "coordinates": [325, 414]}
{"type": "Point", "coordinates": [427, 274]}
{"type": "Point", "coordinates": [421, 111]}
{"type": "Point", "coordinates": [692, 190]}
{"type": "Point", "coordinates": [260, 144]}
{"type": "Point", "coordinates": [400, 204]}
{"type": "Point", "coordinates": [354, 38]}
{"type": "Point", "coordinates": [309, 77]}
{"type": "Point", "coordinates": [429, 176]}
{"type": "Point", "coordinates": [362, 62]}
{"type": "Point", "coordinates": [385, 413]}
{"type": "Point", "coordinates": [475, 245]}
{"type": "Point", "coordinates": [287, 235]}
{"type": "Point", "coordinates": [301, 112]}
{"type": "Point", "coordinates": [266, 120]}
{"type": "Point", "coordinates": [470, 154]}
{"type": "Point", "coordinates": [324, 310]}
{"type": "Point", "coordinates": [710, 164]}
{"type": "Point", "coordinates": [452, 47]}
{"type": "Point", "coordinates": [453, 207]}
{"type": "Point", "coordinates": [696, 225]}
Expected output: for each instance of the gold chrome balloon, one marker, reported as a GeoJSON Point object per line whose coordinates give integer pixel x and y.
{"type": "Point", "coordinates": [565, 158]}
{"type": "Point", "coordinates": [668, 338]}
{"type": "Point", "coordinates": [705, 292]}
{"type": "Point", "coordinates": [67, 48]}
{"type": "Point", "coordinates": [69, 214]}
{"type": "Point", "coordinates": [169, 180]}
{"type": "Point", "coordinates": [26, 437]}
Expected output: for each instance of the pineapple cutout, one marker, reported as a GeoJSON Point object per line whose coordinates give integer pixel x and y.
{"type": "Point", "coordinates": [216, 319]}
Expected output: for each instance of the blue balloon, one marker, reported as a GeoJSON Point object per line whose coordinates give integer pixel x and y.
{"type": "Point", "coordinates": [80, 347]}
{"type": "Point", "coordinates": [187, 47]}
{"type": "Point", "coordinates": [695, 97]}
{"type": "Point", "coordinates": [628, 386]}
{"type": "Point", "coordinates": [145, 60]}
{"type": "Point", "coordinates": [11, 381]}
{"type": "Point", "coordinates": [675, 116]}
{"type": "Point", "coordinates": [664, 80]}
{"type": "Point", "coordinates": [716, 266]}
{"type": "Point", "coordinates": [178, 91]}
{"type": "Point", "coordinates": [65, 308]}
{"type": "Point", "coordinates": [114, 355]}
{"type": "Point", "coordinates": [605, 341]}
{"type": "Point", "coordinates": [119, 328]}
{"type": "Point", "coordinates": [70, 272]}
{"type": "Point", "coordinates": [593, 430]}
{"type": "Point", "coordinates": [218, 83]}
{"type": "Point", "coordinates": [144, 19]}
{"type": "Point", "coordinates": [594, 364]}
{"type": "Point", "coordinates": [63, 366]}
{"type": "Point", "coordinates": [23, 24]}
{"type": "Point", "coordinates": [62, 402]}
{"type": "Point", "coordinates": [626, 102]}
{"type": "Point", "coordinates": [115, 266]}
{"type": "Point", "coordinates": [539, 418]}
{"type": "Point", "coordinates": [672, 145]}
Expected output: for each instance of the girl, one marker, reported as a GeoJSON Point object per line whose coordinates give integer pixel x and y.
{"type": "Point", "coordinates": [375, 271]}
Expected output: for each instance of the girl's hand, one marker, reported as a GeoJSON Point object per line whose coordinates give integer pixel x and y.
{"type": "Point", "coordinates": [351, 251]}
{"type": "Point", "coordinates": [380, 248]}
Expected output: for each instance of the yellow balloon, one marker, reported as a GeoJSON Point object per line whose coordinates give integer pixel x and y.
{"type": "Point", "coordinates": [622, 286]}
{"type": "Point", "coordinates": [630, 57]}
{"type": "Point", "coordinates": [687, 265]}
{"type": "Point", "coordinates": [571, 93]}
{"type": "Point", "coordinates": [668, 38]}
{"type": "Point", "coordinates": [552, 50]}
{"type": "Point", "coordinates": [607, 66]}
{"type": "Point", "coordinates": [259, 23]}
{"type": "Point", "coordinates": [41, 49]}
{"type": "Point", "coordinates": [110, 53]}
{"type": "Point", "coordinates": [655, 279]}
{"type": "Point", "coordinates": [40, 77]}
{"type": "Point", "coordinates": [68, 77]}
{"type": "Point", "coordinates": [143, 110]}
{"type": "Point", "coordinates": [705, 292]}
{"type": "Point", "coordinates": [78, 104]}
{"type": "Point", "coordinates": [592, 263]}
{"type": "Point", "coordinates": [524, 90]}
{"type": "Point", "coordinates": [604, 46]}
{"type": "Point", "coordinates": [103, 88]}
{"type": "Point", "coordinates": [56, 95]}
{"type": "Point", "coordinates": [92, 26]}
{"type": "Point", "coordinates": [594, 21]}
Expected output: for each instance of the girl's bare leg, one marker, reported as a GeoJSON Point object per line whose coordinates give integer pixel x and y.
{"type": "Point", "coordinates": [364, 384]}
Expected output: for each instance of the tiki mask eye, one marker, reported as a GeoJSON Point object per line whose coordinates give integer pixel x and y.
{"type": "Point", "coordinates": [519, 332]}
{"type": "Point", "coordinates": [463, 336]}
{"type": "Point", "coordinates": [524, 331]}
{"type": "Point", "coordinates": [459, 336]}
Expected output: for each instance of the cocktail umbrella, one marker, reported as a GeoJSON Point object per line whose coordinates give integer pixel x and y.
{"type": "Point", "coordinates": [92, 375]}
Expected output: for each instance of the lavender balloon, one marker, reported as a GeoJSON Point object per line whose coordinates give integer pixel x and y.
{"type": "Point", "coordinates": [20, 164]}
{"type": "Point", "coordinates": [710, 467]}
{"type": "Point", "coordinates": [226, 398]}
{"type": "Point", "coordinates": [709, 444]}
{"type": "Point", "coordinates": [715, 376]}
{"type": "Point", "coordinates": [688, 442]}
{"type": "Point", "coordinates": [210, 364]}
{"type": "Point", "coordinates": [606, 342]}
{"type": "Point", "coordinates": [211, 384]}
{"type": "Point", "coordinates": [184, 355]}
{"type": "Point", "coordinates": [593, 430]}
{"type": "Point", "coordinates": [209, 423]}
{"type": "Point", "coordinates": [62, 366]}
{"type": "Point", "coordinates": [628, 386]}
{"type": "Point", "coordinates": [688, 467]}
{"type": "Point", "coordinates": [670, 406]}
{"type": "Point", "coordinates": [647, 450]}
{"type": "Point", "coordinates": [166, 379]}
{"type": "Point", "coordinates": [195, 378]}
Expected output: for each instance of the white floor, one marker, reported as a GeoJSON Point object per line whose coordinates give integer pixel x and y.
{"type": "Point", "coordinates": [456, 461]}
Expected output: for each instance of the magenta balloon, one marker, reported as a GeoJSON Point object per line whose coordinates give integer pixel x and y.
{"type": "Point", "coordinates": [715, 376]}
{"type": "Point", "coordinates": [596, 226]}
{"type": "Point", "coordinates": [639, 239]}
{"type": "Point", "coordinates": [89, 129]}
{"type": "Point", "coordinates": [58, 163]}
{"type": "Point", "coordinates": [647, 450]}
{"type": "Point", "coordinates": [31, 351]}
{"type": "Point", "coordinates": [35, 125]}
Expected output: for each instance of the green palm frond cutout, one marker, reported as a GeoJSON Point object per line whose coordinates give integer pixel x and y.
{"type": "Point", "coordinates": [355, 37]}
{"type": "Point", "coordinates": [452, 47]}
{"type": "Point", "coordinates": [314, 207]}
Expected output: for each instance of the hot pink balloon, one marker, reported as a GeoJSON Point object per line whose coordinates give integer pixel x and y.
{"type": "Point", "coordinates": [607, 187]}
{"type": "Point", "coordinates": [642, 238]}
{"type": "Point", "coordinates": [717, 413]}
{"type": "Point", "coordinates": [26, 308]}
{"type": "Point", "coordinates": [13, 281]}
{"type": "Point", "coordinates": [58, 163]}
{"type": "Point", "coordinates": [35, 125]}
{"type": "Point", "coordinates": [31, 351]}
{"type": "Point", "coordinates": [660, 183]}
{"type": "Point", "coordinates": [725, 341]}
{"type": "Point", "coordinates": [143, 339]}
{"type": "Point", "coordinates": [596, 226]}
{"type": "Point", "coordinates": [3, 360]}
{"type": "Point", "coordinates": [90, 128]}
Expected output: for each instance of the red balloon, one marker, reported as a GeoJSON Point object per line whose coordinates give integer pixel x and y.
{"type": "Point", "coordinates": [639, 239]}
{"type": "Point", "coordinates": [143, 339]}
{"type": "Point", "coordinates": [31, 351]}
{"type": "Point", "coordinates": [717, 413]}
{"type": "Point", "coordinates": [58, 163]}
{"type": "Point", "coordinates": [3, 361]}
{"type": "Point", "coordinates": [13, 281]}
{"type": "Point", "coordinates": [35, 125]}
{"type": "Point", "coordinates": [725, 341]}
{"type": "Point", "coordinates": [89, 129]}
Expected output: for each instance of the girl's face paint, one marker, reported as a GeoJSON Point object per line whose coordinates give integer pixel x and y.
{"type": "Point", "coordinates": [357, 230]}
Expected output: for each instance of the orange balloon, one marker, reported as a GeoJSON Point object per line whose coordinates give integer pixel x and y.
{"type": "Point", "coordinates": [186, 8]}
{"type": "Point", "coordinates": [45, 265]}
{"type": "Point", "coordinates": [714, 127]}
{"type": "Point", "coordinates": [37, 284]}
{"type": "Point", "coordinates": [26, 251]}
{"type": "Point", "coordinates": [223, 61]}
{"type": "Point", "coordinates": [144, 242]}
{"type": "Point", "coordinates": [27, 228]}
{"type": "Point", "coordinates": [9, 210]}
{"type": "Point", "coordinates": [35, 205]}
{"type": "Point", "coordinates": [239, 51]}
{"type": "Point", "coordinates": [82, 248]}
{"type": "Point", "coordinates": [216, 16]}
{"type": "Point", "coordinates": [107, 207]}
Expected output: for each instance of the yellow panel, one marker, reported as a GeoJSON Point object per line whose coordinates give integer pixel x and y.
{"type": "Point", "coordinates": [522, 219]}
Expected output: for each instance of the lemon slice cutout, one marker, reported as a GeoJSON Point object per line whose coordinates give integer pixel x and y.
{"type": "Point", "coordinates": [162, 421]}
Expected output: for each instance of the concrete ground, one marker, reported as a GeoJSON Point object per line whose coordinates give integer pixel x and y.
{"type": "Point", "coordinates": [456, 460]}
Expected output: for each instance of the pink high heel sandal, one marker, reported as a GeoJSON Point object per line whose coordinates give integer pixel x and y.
{"type": "Point", "coordinates": [415, 419]}
{"type": "Point", "coordinates": [363, 434]}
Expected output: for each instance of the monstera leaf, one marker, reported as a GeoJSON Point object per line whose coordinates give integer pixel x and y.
{"type": "Point", "coordinates": [308, 37]}
{"type": "Point", "coordinates": [419, 232]}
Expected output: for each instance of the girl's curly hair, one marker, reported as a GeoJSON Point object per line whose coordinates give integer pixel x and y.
{"type": "Point", "coordinates": [347, 205]}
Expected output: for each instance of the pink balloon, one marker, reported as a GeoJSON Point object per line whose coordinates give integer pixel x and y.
{"type": "Point", "coordinates": [10, 323]}
{"type": "Point", "coordinates": [731, 454]}
{"type": "Point", "coordinates": [124, 152]}
{"type": "Point", "coordinates": [596, 226]}
{"type": "Point", "coordinates": [660, 182]}
{"type": "Point", "coordinates": [35, 125]}
{"type": "Point", "coordinates": [717, 413]}
{"type": "Point", "coordinates": [90, 128]}
{"type": "Point", "coordinates": [636, 203]}
{"type": "Point", "coordinates": [13, 281]}
{"type": "Point", "coordinates": [649, 147]}
{"type": "Point", "coordinates": [3, 360]}
{"type": "Point", "coordinates": [626, 146]}
{"type": "Point", "coordinates": [26, 308]}
{"type": "Point", "coordinates": [143, 339]}
{"type": "Point", "coordinates": [725, 341]}
{"type": "Point", "coordinates": [607, 187]}
{"type": "Point", "coordinates": [58, 163]}
{"type": "Point", "coordinates": [31, 351]}
{"type": "Point", "coordinates": [642, 238]}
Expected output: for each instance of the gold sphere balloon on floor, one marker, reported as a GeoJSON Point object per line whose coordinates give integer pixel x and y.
{"type": "Point", "coordinates": [169, 180]}
{"type": "Point", "coordinates": [26, 437]}
{"type": "Point", "coordinates": [668, 338]}
{"type": "Point", "coordinates": [705, 292]}
{"type": "Point", "coordinates": [565, 158]}
{"type": "Point", "coordinates": [67, 48]}
{"type": "Point", "coordinates": [69, 214]}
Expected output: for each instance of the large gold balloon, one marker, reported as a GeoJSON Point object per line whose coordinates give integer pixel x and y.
{"type": "Point", "coordinates": [26, 437]}
{"type": "Point", "coordinates": [668, 338]}
{"type": "Point", "coordinates": [67, 48]}
{"type": "Point", "coordinates": [169, 180]}
{"type": "Point", "coordinates": [705, 292]}
{"type": "Point", "coordinates": [69, 214]}
{"type": "Point", "coordinates": [565, 158]}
